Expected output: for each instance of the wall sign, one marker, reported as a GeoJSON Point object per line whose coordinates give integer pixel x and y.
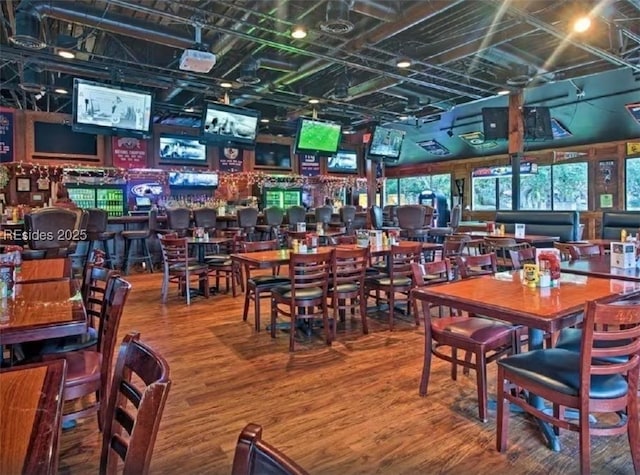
{"type": "Point", "coordinates": [434, 147]}
{"type": "Point", "coordinates": [129, 152]}
{"type": "Point", "coordinates": [309, 164]}
{"type": "Point", "coordinates": [6, 135]}
{"type": "Point", "coordinates": [230, 159]}
{"type": "Point", "coordinates": [476, 140]}
{"type": "Point", "coordinates": [526, 168]}
{"type": "Point", "coordinates": [633, 148]}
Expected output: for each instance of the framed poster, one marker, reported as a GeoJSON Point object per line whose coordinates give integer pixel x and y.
{"type": "Point", "coordinates": [23, 184]}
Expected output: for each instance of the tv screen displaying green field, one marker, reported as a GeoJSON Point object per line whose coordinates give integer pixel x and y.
{"type": "Point", "coordinates": [318, 136]}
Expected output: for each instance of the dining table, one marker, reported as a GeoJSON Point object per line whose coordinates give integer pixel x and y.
{"type": "Point", "coordinates": [529, 238]}
{"type": "Point", "coordinates": [31, 402]}
{"type": "Point", "coordinates": [600, 266]}
{"type": "Point", "coordinates": [38, 270]}
{"type": "Point", "coordinates": [506, 296]}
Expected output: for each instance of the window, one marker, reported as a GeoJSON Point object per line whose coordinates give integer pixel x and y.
{"type": "Point", "coordinates": [633, 184]}
{"type": "Point", "coordinates": [405, 191]}
{"type": "Point", "coordinates": [552, 187]}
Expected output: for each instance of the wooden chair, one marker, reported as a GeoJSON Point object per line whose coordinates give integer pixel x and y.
{"type": "Point", "coordinates": [585, 251]}
{"type": "Point", "coordinates": [589, 381]}
{"type": "Point", "coordinates": [221, 266]}
{"type": "Point", "coordinates": [254, 456]}
{"type": "Point", "coordinates": [565, 250]}
{"type": "Point", "coordinates": [346, 292]}
{"type": "Point", "coordinates": [501, 247]}
{"type": "Point", "coordinates": [88, 371]}
{"type": "Point", "coordinates": [134, 406]}
{"type": "Point", "coordinates": [526, 255]}
{"type": "Point", "coordinates": [472, 266]}
{"type": "Point", "coordinates": [259, 286]}
{"type": "Point", "coordinates": [399, 279]}
{"type": "Point", "coordinates": [306, 296]}
{"type": "Point", "coordinates": [180, 268]}
{"type": "Point", "coordinates": [487, 339]}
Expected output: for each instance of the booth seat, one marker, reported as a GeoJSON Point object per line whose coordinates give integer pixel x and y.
{"type": "Point", "coordinates": [613, 222]}
{"type": "Point", "coordinates": [565, 224]}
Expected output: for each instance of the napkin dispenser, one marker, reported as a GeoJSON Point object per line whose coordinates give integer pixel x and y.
{"type": "Point", "coordinates": [623, 255]}
{"type": "Point", "coordinates": [301, 227]}
{"type": "Point", "coordinates": [375, 237]}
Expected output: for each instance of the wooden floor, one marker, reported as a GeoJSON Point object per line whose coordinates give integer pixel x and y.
{"type": "Point", "coordinates": [349, 409]}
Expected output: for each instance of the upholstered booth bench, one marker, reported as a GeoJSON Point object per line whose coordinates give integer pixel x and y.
{"type": "Point", "coordinates": [615, 221]}
{"type": "Point", "coordinates": [565, 224]}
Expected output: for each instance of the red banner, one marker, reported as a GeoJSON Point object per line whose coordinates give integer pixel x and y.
{"type": "Point", "coordinates": [129, 152]}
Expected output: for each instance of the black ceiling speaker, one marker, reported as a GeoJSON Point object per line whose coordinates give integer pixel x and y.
{"type": "Point", "coordinates": [27, 31]}
{"type": "Point", "coordinates": [520, 76]}
{"type": "Point", "coordinates": [337, 19]}
{"type": "Point", "coordinates": [341, 89]}
{"type": "Point", "coordinates": [32, 79]}
{"type": "Point", "coordinates": [413, 104]}
{"type": "Point", "coordinates": [249, 74]}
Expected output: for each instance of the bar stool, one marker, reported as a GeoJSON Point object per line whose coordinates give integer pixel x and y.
{"type": "Point", "coordinates": [140, 236]}
{"type": "Point", "coordinates": [273, 217]}
{"type": "Point", "coordinates": [97, 233]}
{"type": "Point", "coordinates": [296, 214]}
{"type": "Point", "coordinates": [178, 220]}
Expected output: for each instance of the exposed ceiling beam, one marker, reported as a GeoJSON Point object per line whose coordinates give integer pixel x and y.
{"type": "Point", "coordinates": [635, 3]}
{"type": "Point", "coordinates": [374, 10]}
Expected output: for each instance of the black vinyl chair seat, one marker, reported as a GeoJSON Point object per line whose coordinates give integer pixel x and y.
{"type": "Point", "coordinates": [475, 329]}
{"type": "Point", "coordinates": [571, 339]}
{"type": "Point", "coordinates": [135, 234]}
{"type": "Point", "coordinates": [559, 370]}
{"type": "Point", "coordinates": [219, 262]}
{"type": "Point", "coordinates": [70, 343]}
{"type": "Point", "coordinates": [301, 294]}
{"type": "Point", "coordinates": [344, 288]}
{"type": "Point", "coordinates": [385, 280]}
{"type": "Point", "coordinates": [264, 280]}
{"type": "Point", "coordinates": [193, 266]}
{"type": "Point", "coordinates": [216, 257]}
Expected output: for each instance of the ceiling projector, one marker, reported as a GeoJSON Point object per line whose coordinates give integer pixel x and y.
{"type": "Point", "coordinates": [197, 61]}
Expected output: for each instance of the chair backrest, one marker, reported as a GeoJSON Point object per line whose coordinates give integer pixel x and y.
{"type": "Point", "coordinates": [348, 213]}
{"type": "Point", "coordinates": [247, 217]}
{"type": "Point", "coordinates": [97, 220]}
{"type": "Point", "coordinates": [565, 250]}
{"type": "Point", "coordinates": [296, 214]}
{"type": "Point", "coordinates": [429, 273]}
{"type": "Point", "coordinates": [456, 216]}
{"type": "Point", "coordinates": [610, 343]}
{"type": "Point", "coordinates": [146, 395]}
{"type": "Point", "coordinates": [453, 246]}
{"type": "Point", "coordinates": [254, 456]}
{"type": "Point", "coordinates": [323, 214]}
{"type": "Point", "coordinates": [205, 218]}
{"type": "Point", "coordinates": [585, 251]}
{"type": "Point", "coordinates": [401, 259]}
{"type": "Point", "coordinates": [411, 216]}
{"type": "Point", "coordinates": [174, 251]}
{"type": "Point", "coordinates": [57, 229]}
{"type": "Point", "coordinates": [526, 255]}
{"type": "Point", "coordinates": [482, 264]}
{"type": "Point", "coordinates": [94, 289]}
{"type": "Point", "coordinates": [178, 220]}
{"type": "Point", "coordinates": [345, 239]}
{"type": "Point", "coordinates": [273, 216]}
{"type": "Point", "coordinates": [309, 270]}
{"type": "Point", "coordinates": [153, 221]}
{"type": "Point", "coordinates": [376, 216]}
{"type": "Point", "coordinates": [349, 266]}
{"type": "Point", "coordinates": [253, 246]}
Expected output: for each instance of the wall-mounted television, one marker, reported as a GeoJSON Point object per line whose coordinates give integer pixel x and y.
{"type": "Point", "coordinates": [537, 123]}
{"type": "Point", "coordinates": [273, 155]}
{"type": "Point", "coordinates": [110, 110]}
{"type": "Point", "coordinates": [345, 161]}
{"type": "Point", "coordinates": [223, 124]}
{"type": "Point", "coordinates": [181, 149]}
{"type": "Point", "coordinates": [317, 136]}
{"type": "Point", "coordinates": [190, 179]}
{"type": "Point", "coordinates": [386, 143]}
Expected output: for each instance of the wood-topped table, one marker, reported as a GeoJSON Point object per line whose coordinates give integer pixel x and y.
{"type": "Point", "coordinates": [505, 297]}
{"type": "Point", "coordinates": [39, 270]}
{"type": "Point", "coordinates": [42, 309]}
{"type": "Point", "coordinates": [600, 266]}
{"type": "Point", "coordinates": [530, 238]}
{"type": "Point", "coordinates": [30, 413]}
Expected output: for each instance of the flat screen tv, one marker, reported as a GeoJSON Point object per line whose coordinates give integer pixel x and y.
{"type": "Point", "coordinates": [111, 110]}
{"type": "Point", "coordinates": [273, 155]}
{"type": "Point", "coordinates": [386, 143]}
{"type": "Point", "coordinates": [182, 149]}
{"type": "Point", "coordinates": [317, 136]}
{"type": "Point", "coordinates": [190, 179]}
{"type": "Point", "coordinates": [223, 124]}
{"type": "Point", "coordinates": [345, 161]}
{"type": "Point", "coordinates": [537, 123]}
{"type": "Point", "coordinates": [495, 123]}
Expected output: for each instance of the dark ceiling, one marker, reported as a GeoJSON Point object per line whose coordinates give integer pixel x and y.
{"type": "Point", "coordinates": [462, 51]}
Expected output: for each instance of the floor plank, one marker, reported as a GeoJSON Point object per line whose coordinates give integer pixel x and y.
{"type": "Point", "coordinates": [353, 408]}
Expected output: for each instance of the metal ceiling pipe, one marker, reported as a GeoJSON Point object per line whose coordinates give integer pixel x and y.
{"type": "Point", "coordinates": [276, 64]}
{"type": "Point", "coordinates": [71, 12]}
{"type": "Point", "coordinates": [373, 10]}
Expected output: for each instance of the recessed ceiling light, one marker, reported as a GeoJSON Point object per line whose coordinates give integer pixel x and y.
{"type": "Point", "coordinates": [66, 54]}
{"type": "Point", "coordinates": [403, 117]}
{"type": "Point", "coordinates": [189, 109]}
{"type": "Point", "coordinates": [298, 32]}
{"type": "Point", "coordinates": [582, 24]}
{"type": "Point", "coordinates": [226, 85]}
{"type": "Point", "coordinates": [504, 92]}
{"type": "Point", "coordinates": [60, 90]}
{"type": "Point", "coordinates": [403, 62]}
{"type": "Point", "coordinates": [314, 101]}
{"type": "Point", "coordinates": [264, 121]}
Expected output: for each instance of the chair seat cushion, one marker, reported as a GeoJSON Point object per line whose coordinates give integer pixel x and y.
{"type": "Point", "coordinates": [478, 330]}
{"type": "Point", "coordinates": [193, 267]}
{"type": "Point", "coordinates": [82, 367]}
{"type": "Point", "coordinates": [301, 294]}
{"type": "Point", "coordinates": [344, 288]}
{"type": "Point", "coordinates": [440, 231]}
{"type": "Point", "coordinates": [216, 257]}
{"type": "Point", "coordinates": [386, 281]}
{"type": "Point", "coordinates": [264, 280]}
{"type": "Point", "coordinates": [217, 263]}
{"type": "Point", "coordinates": [373, 271]}
{"type": "Point", "coordinates": [138, 234]}
{"type": "Point", "coordinates": [559, 370]}
{"type": "Point", "coordinates": [70, 343]}
{"type": "Point", "coordinates": [571, 339]}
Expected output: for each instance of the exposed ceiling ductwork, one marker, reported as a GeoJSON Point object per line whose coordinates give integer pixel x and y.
{"type": "Point", "coordinates": [337, 19]}
{"type": "Point", "coordinates": [374, 10]}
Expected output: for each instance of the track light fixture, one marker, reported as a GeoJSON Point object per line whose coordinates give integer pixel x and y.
{"type": "Point", "coordinates": [298, 32]}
